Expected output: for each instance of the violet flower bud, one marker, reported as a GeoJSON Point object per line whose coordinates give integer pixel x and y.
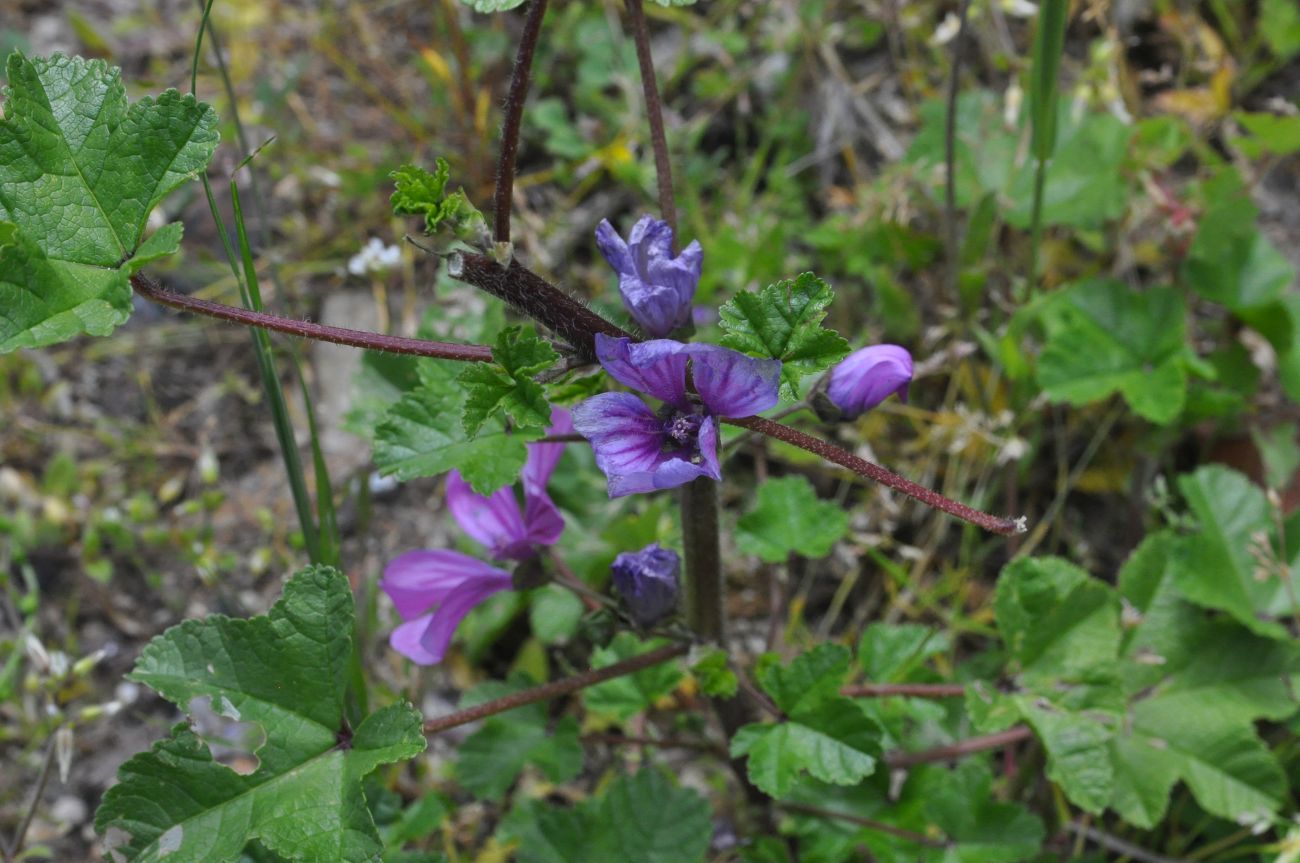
{"type": "Point", "coordinates": [648, 582]}
{"type": "Point", "coordinates": [867, 377]}
{"type": "Point", "coordinates": [657, 288]}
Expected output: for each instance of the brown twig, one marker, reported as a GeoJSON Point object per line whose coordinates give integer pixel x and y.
{"type": "Point", "coordinates": [1115, 845]}
{"type": "Point", "coordinates": [515, 98]}
{"type": "Point", "coordinates": [555, 688]}
{"type": "Point", "coordinates": [913, 690]}
{"type": "Point", "coordinates": [654, 114]}
{"type": "Point", "coordinates": [21, 834]}
{"type": "Point", "coordinates": [876, 473]}
{"type": "Point", "coordinates": [707, 746]}
{"type": "Point", "coordinates": [152, 291]}
{"type": "Point", "coordinates": [960, 749]}
{"type": "Point", "coordinates": [878, 826]}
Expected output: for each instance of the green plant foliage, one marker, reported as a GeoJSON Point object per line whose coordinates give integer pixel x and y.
{"type": "Point", "coordinates": [423, 435]}
{"type": "Point", "coordinates": [285, 672]}
{"type": "Point", "coordinates": [1125, 712]}
{"type": "Point", "coordinates": [980, 829]}
{"type": "Point", "coordinates": [891, 651]}
{"type": "Point", "coordinates": [789, 518]}
{"type": "Point", "coordinates": [1108, 338]}
{"type": "Point", "coordinates": [639, 819]}
{"type": "Point", "coordinates": [493, 5]}
{"type": "Point", "coordinates": [492, 758]}
{"type": "Point", "coordinates": [624, 697]}
{"type": "Point", "coordinates": [825, 735]}
{"type": "Point", "coordinates": [714, 675]}
{"type": "Point", "coordinates": [81, 171]}
{"type": "Point", "coordinates": [507, 386]}
{"type": "Point", "coordinates": [1049, 45]}
{"type": "Point", "coordinates": [416, 192]}
{"type": "Point", "coordinates": [783, 321]}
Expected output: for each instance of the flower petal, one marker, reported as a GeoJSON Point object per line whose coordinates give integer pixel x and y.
{"type": "Point", "coordinates": [681, 274]}
{"type": "Point", "coordinates": [625, 434]}
{"type": "Point", "coordinates": [656, 367]}
{"type": "Point", "coordinates": [437, 635]}
{"type": "Point", "coordinates": [495, 521]}
{"type": "Point", "coordinates": [732, 384]}
{"type": "Point", "coordinates": [868, 376]}
{"type": "Point", "coordinates": [709, 449]}
{"type": "Point", "coordinates": [613, 248]}
{"type": "Point", "coordinates": [669, 474]}
{"type": "Point", "coordinates": [542, 457]}
{"type": "Point", "coordinates": [656, 308]}
{"type": "Point", "coordinates": [418, 580]}
{"type": "Point", "coordinates": [544, 522]}
{"type": "Point", "coordinates": [405, 639]}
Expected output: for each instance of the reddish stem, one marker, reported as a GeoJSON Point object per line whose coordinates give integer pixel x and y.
{"type": "Point", "coordinates": [864, 468]}
{"type": "Point", "coordinates": [555, 688]}
{"type": "Point", "coordinates": [515, 98]}
{"type": "Point", "coordinates": [655, 115]}
{"type": "Point", "coordinates": [151, 290]}
{"type": "Point", "coordinates": [960, 749]}
{"type": "Point", "coordinates": [878, 826]}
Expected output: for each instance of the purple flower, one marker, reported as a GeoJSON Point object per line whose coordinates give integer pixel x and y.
{"type": "Point", "coordinates": [657, 288]}
{"type": "Point", "coordinates": [434, 589]}
{"type": "Point", "coordinates": [641, 449]}
{"type": "Point", "coordinates": [867, 377]}
{"type": "Point", "coordinates": [647, 581]}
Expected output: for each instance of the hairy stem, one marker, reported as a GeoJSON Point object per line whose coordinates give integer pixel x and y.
{"type": "Point", "coordinates": [555, 688]}
{"type": "Point", "coordinates": [910, 690]}
{"type": "Point", "coordinates": [704, 609]}
{"type": "Point", "coordinates": [960, 749]}
{"type": "Point", "coordinates": [876, 473]}
{"type": "Point", "coordinates": [654, 114]}
{"type": "Point", "coordinates": [152, 291]}
{"type": "Point", "coordinates": [515, 98]}
{"type": "Point", "coordinates": [535, 297]}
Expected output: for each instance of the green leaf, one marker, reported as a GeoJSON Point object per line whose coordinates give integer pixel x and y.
{"type": "Point", "coordinates": [1113, 339]}
{"type": "Point", "coordinates": [639, 819]}
{"type": "Point", "coordinates": [449, 217]}
{"type": "Point", "coordinates": [1270, 134]}
{"type": "Point", "coordinates": [783, 321]}
{"type": "Point", "coordinates": [422, 435]}
{"type": "Point", "coordinates": [493, 5]}
{"type": "Point", "coordinates": [714, 675]}
{"type": "Point", "coordinates": [623, 697]}
{"type": "Point", "coordinates": [285, 672]}
{"type": "Point", "coordinates": [889, 651]}
{"type": "Point", "coordinates": [1223, 565]}
{"type": "Point", "coordinates": [507, 386]}
{"type": "Point", "coordinates": [1279, 24]}
{"type": "Point", "coordinates": [834, 741]}
{"type": "Point", "coordinates": [789, 517]}
{"type": "Point", "coordinates": [980, 829]}
{"type": "Point", "coordinates": [825, 735]}
{"type": "Point", "coordinates": [492, 758]}
{"type": "Point", "coordinates": [1049, 45]}
{"type": "Point", "coordinates": [81, 171]}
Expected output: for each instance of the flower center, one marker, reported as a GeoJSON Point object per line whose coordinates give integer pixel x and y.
{"type": "Point", "coordinates": [683, 428]}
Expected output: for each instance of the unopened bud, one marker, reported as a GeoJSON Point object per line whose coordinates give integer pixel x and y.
{"type": "Point", "coordinates": [648, 582]}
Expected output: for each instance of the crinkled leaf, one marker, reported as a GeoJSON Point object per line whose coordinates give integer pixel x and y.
{"type": "Point", "coordinates": [493, 757]}
{"type": "Point", "coordinates": [416, 192]}
{"type": "Point", "coordinates": [889, 651]}
{"type": "Point", "coordinates": [1114, 339]}
{"type": "Point", "coordinates": [507, 386]}
{"type": "Point", "coordinates": [783, 321]}
{"type": "Point", "coordinates": [789, 517]}
{"type": "Point", "coordinates": [1222, 565]}
{"type": "Point", "coordinates": [422, 435]}
{"type": "Point", "coordinates": [809, 679]}
{"type": "Point", "coordinates": [80, 171]}
{"type": "Point", "coordinates": [623, 697]}
{"type": "Point", "coordinates": [714, 674]}
{"type": "Point", "coordinates": [285, 672]}
{"type": "Point", "coordinates": [834, 741]}
{"type": "Point", "coordinates": [639, 819]}
{"type": "Point", "coordinates": [979, 828]}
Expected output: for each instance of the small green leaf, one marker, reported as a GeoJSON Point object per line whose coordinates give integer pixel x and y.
{"type": "Point", "coordinates": [834, 741]}
{"type": "Point", "coordinates": [81, 171]}
{"type": "Point", "coordinates": [422, 435]}
{"type": "Point", "coordinates": [492, 758]}
{"type": "Point", "coordinates": [449, 217]}
{"type": "Point", "coordinates": [1113, 339]}
{"type": "Point", "coordinates": [623, 697]}
{"type": "Point", "coordinates": [808, 680]}
{"type": "Point", "coordinates": [286, 673]}
{"type": "Point", "coordinates": [783, 321]}
{"type": "Point", "coordinates": [889, 651]}
{"type": "Point", "coordinates": [789, 517]}
{"type": "Point", "coordinates": [507, 386]}
{"type": "Point", "coordinates": [714, 675]}
{"type": "Point", "coordinates": [979, 828]}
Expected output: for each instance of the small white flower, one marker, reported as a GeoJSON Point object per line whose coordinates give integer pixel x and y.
{"type": "Point", "coordinates": [947, 30]}
{"type": "Point", "coordinates": [374, 257]}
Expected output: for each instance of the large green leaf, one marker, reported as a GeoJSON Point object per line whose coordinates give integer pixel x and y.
{"type": "Point", "coordinates": [789, 518]}
{"type": "Point", "coordinates": [80, 171]}
{"type": "Point", "coordinates": [979, 829]}
{"type": "Point", "coordinates": [285, 673]}
{"type": "Point", "coordinates": [1112, 339]}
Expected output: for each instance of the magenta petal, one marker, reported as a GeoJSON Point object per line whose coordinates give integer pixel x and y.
{"type": "Point", "coordinates": [613, 248]}
{"type": "Point", "coordinates": [656, 367]}
{"type": "Point", "coordinates": [868, 376]}
{"type": "Point", "coordinates": [418, 580]}
{"type": "Point", "coordinates": [459, 603]}
{"type": "Point", "coordinates": [545, 524]}
{"type": "Point", "coordinates": [709, 449]}
{"type": "Point", "coordinates": [732, 384]}
{"type": "Point", "coordinates": [542, 457]}
{"type": "Point", "coordinates": [495, 522]}
{"type": "Point", "coordinates": [669, 474]}
{"type": "Point", "coordinates": [405, 639]}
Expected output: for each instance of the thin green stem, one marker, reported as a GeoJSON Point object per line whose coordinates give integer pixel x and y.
{"type": "Point", "coordinates": [1036, 225]}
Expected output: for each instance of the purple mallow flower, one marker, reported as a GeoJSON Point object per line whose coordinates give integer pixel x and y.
{"type": "Point", "coordinates": [641, 449]}
{"type": "Point", "coordinates": [647, 581]}
{"type": "Point", "coordinates": [434, 589]}
{"type": "Point", "coordinates": [657, 288]}
{"type": "Point", "coordinates": [867, 377]}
